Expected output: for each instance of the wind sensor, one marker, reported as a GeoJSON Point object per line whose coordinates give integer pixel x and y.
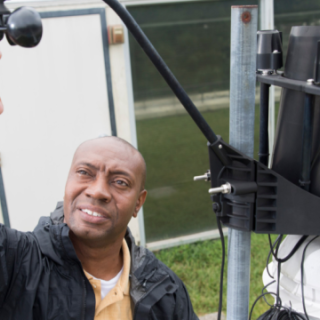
{"type": "Point", "coordinates": [22, 27]}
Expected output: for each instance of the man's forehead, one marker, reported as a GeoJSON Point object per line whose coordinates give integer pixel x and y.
{"type": "Point", "coordinates": [108, 149]}
{"type": "Point", "coordinates": [105, 149]}
{"type": "Point", "coordinates": [103, 145]}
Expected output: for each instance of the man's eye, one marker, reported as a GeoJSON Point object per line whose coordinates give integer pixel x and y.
{"type": "Point", "coordinates": [121, 182]}
{"type": "Point", "coordinates": [82, 172]}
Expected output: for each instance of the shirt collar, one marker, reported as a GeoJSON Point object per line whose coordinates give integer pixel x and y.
{"type": "Point", "coordinates": [124, 278]}
{"type": "Point", "coordinates": [123, 282]}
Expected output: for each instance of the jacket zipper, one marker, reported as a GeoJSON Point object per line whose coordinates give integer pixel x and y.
{"type": "Point", "coordinates": [84, 292]}
{"type": "Point", "coordinates": [155, 285]}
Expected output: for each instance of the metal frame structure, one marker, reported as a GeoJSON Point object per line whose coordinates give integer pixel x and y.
{"type": "Point", "coordinates": [3, 200]}
{"type": "Point", "coordinates": [101, 11]}
{"type": "Point", "coordinates": [131, 3]}
{"type": "Point", "coordinates": [266, 10]}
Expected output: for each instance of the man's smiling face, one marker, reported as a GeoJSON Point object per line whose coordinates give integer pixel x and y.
{"type": "Point", "coordinates": [104, 190]}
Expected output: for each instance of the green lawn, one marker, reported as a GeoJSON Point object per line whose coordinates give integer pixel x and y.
{"type": "Point", "coordinates": [198, 265]}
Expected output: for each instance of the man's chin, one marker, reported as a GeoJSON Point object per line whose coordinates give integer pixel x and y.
{"type": "Point", "coordinates": [82, 226]}
{"type": "Point", "coordinates": [89, 235]}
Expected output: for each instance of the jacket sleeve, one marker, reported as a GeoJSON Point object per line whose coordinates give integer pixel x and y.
{"type": "Point", "coordinates": [184, 309]}
{"type": "Point", "coordinates": [14, 247]}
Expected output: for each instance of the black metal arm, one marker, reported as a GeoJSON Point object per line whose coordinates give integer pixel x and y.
{"type": "Point", "coordinates": [164, 70]}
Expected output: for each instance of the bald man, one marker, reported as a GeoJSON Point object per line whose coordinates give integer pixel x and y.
{"type": "Point", "coordinates": [82, 263]}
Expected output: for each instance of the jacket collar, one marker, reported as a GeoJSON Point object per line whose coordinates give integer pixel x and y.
{"type": "Point", "coordinates": [53, 238]}
{"type": "Point", "coordinates": [146, 271]}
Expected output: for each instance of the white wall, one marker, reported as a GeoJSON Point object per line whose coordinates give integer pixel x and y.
{"type": "Point", "coordinates": [55, 97]}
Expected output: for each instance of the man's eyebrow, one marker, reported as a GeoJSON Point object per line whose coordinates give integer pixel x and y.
{"type": "Point", "coordinates": [87, 164]}
{"type": "Point", "coordinates": [113, 172]}
{"type": "Point", "coordinates": [121, 173]}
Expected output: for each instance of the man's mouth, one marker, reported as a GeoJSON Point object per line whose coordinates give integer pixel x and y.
{"type": "Point", "coordinates": [91, 213]}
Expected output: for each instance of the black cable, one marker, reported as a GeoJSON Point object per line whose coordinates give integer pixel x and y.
{"type": "Point", "coordinates": [264, 288]}
{"type": "Point", "coordinates": [302, 268]}
{"type": "Point", "coordinates": [267, 265]}
{"type": "Point", "coordinates": [273, 245]}
{"type": "Point", "coordinates": [264, 116]}
{"type": "Point", "coordinates": [278, 282]}
{"type": "Point", "coordinates": [269, 255]}
{"type": "Point", "coordinates": [222, 267]}
{"type": "Point", "coordinates": [293, 251]}
{"type": "Point", "coordinates": [278, 312]}
{"type": "Point", "coordinates": [278, 244]}
{"type": "Point", "coordinates": [164, 70]}
{"type": "Point", "coordinates": [275, 254]}
{"type": "Point", "coordinates": [289, 314]}
{"type": "Point", "coordinates": [262, 295]}
{"type": "Point", "coordinates": [270, 244]}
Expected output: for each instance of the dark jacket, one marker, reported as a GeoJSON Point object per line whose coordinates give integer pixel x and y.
{"type": "Point", "coordinates": [42, 278]}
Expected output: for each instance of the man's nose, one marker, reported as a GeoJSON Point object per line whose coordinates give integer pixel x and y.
{"type": "Point", "coordinates": [99, 189]}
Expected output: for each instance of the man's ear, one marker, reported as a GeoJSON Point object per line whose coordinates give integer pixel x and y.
{"type": "Point", "coordinates": [140, 201]}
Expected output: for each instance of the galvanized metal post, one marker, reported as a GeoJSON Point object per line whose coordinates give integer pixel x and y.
{"type": "Point", "coordinates": [242, 106]}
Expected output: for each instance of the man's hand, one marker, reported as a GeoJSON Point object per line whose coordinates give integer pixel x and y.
{"type": "Point", "coordinates": [1, 105]}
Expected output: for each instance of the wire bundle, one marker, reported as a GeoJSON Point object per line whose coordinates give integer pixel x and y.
{"type": "Point", "coordinates": [277, 311]}
{"type": "Point", "coordinates": [278, 314]}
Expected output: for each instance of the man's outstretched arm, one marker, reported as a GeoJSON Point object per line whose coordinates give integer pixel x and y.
{"type": "Point", "coordinates": [184, 309]}
{"type": "Point", "coordinates": [18, 255]}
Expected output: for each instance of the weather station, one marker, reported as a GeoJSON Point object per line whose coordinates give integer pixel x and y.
{"type": "Point", "coordinates": [267, 196]}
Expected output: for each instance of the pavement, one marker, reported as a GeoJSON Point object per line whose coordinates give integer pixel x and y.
{"type": "Point", "coordinates": [212, 316]}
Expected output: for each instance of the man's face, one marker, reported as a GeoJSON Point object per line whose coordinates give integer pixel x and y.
{"type": "Point", "coordinates": [103, 190]}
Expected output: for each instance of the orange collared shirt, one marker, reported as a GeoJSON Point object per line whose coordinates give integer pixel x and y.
{"type": "Point", "coordinates": [116, 305]}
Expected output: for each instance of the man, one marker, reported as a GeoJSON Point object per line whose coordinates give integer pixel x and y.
{"type": "Point", "coordinates": [82, 262]}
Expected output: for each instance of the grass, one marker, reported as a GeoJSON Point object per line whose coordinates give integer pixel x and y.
{"type": "Point", "coordinates": [198, 265]}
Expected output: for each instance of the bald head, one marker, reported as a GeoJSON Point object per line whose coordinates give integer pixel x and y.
{"type": "Point", "coordinates": [104, 190]}
{"type": "Point", "coordinates": [106, 142]}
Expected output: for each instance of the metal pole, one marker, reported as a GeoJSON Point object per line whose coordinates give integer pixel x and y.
{"type": "Point", "coordinates": [267, 23]}
{"type": "Point", "coordinates": [3, 202]}
{"type": "Point", "coordinates": [242, 106]}
{"type": "Point", "coordinates": [163, 69]}
{"type": "Point", "coordinates": [264, 115]}
{"type": "Point", "coordinates": [306, 142]}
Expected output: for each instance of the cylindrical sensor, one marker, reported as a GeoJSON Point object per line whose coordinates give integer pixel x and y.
{"type": "Point", "coordinates": [269, 50]}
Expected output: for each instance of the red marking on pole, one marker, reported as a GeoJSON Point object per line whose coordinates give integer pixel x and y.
{"type": "Point", "coordinates": [246, 17]}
